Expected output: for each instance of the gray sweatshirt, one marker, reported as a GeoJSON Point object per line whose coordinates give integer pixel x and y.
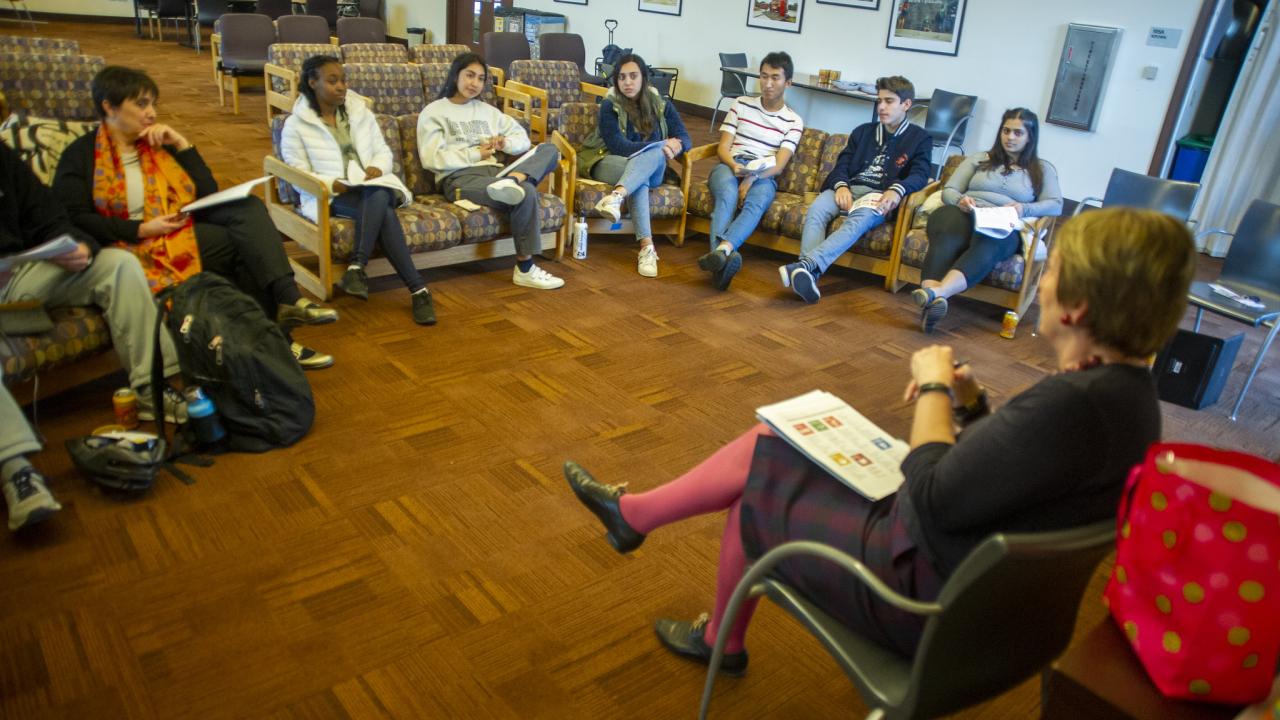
{"type": "Point", "coordinates": [993, 188]}
{"type": "Point", "coordinates": [449, 135]}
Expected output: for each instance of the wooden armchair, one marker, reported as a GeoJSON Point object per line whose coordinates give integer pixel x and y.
{"type": "Point", "coordinates": [551, 84]}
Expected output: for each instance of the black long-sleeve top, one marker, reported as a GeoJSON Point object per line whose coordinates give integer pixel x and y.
{"type": "Point", "coordinates": [29, 212]}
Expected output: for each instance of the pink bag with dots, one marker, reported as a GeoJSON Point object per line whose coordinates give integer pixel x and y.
{"type": "Point", "coordinates": [1196, 585]}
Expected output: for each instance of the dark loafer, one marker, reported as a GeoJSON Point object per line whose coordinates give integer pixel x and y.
{"type": "Point", "coordinates": [602, 500]}
{"type": "Point", "coordinates": [305, 312]}
{"type": "Point", "coordinates": [731, 267]}
{"type": "Point", "coordinates": [355, 283]}
{"type": "Point", "coordinates": [713, 261]}
{"type": "Point", "coordinates": [685, 639]}
{"type": "Point", "coordinates": [424, 312]}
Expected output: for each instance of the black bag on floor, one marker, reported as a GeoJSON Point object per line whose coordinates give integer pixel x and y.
{"type": "Point", "coordinates": [241, 359]}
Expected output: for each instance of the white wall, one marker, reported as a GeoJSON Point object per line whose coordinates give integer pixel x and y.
{"type": "Point", "coordinates": [105, 8]}
{"type": "Point", "coordinates": [1008, 56]}
{"type": "Point", "coordinates": [429, 14]}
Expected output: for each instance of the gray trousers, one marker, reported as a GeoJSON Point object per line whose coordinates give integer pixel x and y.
{"type": "Point", "coordinates": [114, 282]}
{"type": "Point", "coordinates": [469, 184]}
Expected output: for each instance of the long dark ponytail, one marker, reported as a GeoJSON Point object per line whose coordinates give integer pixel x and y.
{"type": "Point", "coordinates": [311, 68]}
{"type": "Point", "coordinates": [1028, 159]}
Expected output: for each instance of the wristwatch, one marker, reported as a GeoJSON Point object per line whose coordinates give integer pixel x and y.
{"type": "Point", "coordinates": [933, 387]}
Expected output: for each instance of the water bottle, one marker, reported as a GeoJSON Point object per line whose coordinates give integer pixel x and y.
{"type": "Point", "coordinates": [204, 419]}
{"type": "Point", "coordinates": [580, 238]}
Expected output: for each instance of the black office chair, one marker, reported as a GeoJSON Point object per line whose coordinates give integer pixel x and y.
{"type": "Point", "coordinates": [501, 48]}
{"type": "Point", "coordinates": [179, 12]}
{"type": "Point", "coordinates": [732, 85]}
{"type": "Point", "coordinates": [304, 29]}
{"type": "Point", "coordinates": [567, 46]}
{"type": "Point", "coordinates": [246, 39]}
{"type": "Point", "coordinates": [371, 8]}
{"type": "Point", "coordinates": [274, 8]}
{"type": "Point", "coordinates": [361, 30]}
{"type": "Point", "coordinates": [327, 9]}
{"type": "Point", "coordinates": [1251, 268]}
{"type": "Point", "coordinates": [1002, 616]}
{"type": "Point", "coordinates": [1130, 189]}
{"type": "Point", "coordinates": [946, 117]}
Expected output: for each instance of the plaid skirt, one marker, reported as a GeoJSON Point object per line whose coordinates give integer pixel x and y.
{"type": "Point", "coordinates": [789, 497]}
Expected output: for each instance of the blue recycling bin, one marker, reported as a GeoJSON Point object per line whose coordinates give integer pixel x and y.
{"type": "Point", "coordinates": [1191, 157]}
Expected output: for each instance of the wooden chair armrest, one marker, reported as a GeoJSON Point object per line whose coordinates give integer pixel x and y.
{"type": "Point", "coordinates": [594, 90]}
{"type": "Point", "coordinates": [498, 75]}
{"type": "Point", "coordinates": [701, 152]}
{"type": "Point", "coordinates": [537, 117]}
{"type": "Point", "coordinates": [534, 93]}
{"type": "Point", "coordinates": [565, 147]}
{"type": "Point", "coordinates": [510, 97]}
{"type": "Point", "coordinates": [290, 77]}
{"type": "Point", "coordinates": [300, 179]}
{"type": "Point", "coordinates": [333, 39]}
{"type": "Point", "coordinates": [567, 169]}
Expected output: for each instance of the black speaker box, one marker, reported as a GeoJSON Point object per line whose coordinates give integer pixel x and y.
{"type": "Point", "coordinates": [1193, 368]}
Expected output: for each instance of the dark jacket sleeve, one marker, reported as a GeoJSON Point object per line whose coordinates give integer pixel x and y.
{"type": "Point", "coordinates": [843, 169]}
{"type": "Point", "coordinates": [614, 138]}
{"type": "Point", "coordinates": [915, 174]}
{"type": "Point", "coordinates": [32, 214]}
{"type": "Point", "coordinates": [675, 127]}
{"type": "Point", "coordinates": [200, 173]}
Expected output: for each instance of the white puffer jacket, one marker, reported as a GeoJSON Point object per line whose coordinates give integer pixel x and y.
{"type": "Point", "coordinates": [308, 145]}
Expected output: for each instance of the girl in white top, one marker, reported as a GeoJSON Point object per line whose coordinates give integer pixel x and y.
{"type": "Point", "coordinates": [458, 138]}
{"type": "Point", "coordinates": [331, 128]}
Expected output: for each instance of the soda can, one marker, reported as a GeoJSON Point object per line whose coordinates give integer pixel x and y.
{"type": "Point", "coordinates": [1009, 325]}
{"type": "Point", "coordinates": [125, 403]}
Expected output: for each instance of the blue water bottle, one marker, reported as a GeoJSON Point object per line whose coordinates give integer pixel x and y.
{"type": "Point", "coordinates": [204, 419]}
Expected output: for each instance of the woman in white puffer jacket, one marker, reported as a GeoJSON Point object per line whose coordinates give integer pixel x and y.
{"type": "Point", "coordinates": [330, 129]}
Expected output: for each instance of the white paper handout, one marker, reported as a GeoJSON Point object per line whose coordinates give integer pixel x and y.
{"type": "Point", "coordinates": [516, 165]}
{"type": "Point", "coordinates": [231, 194]}
{"type": "Point", "coordinates": [60, 245]}
{"type": "Point", "coordinates": [839, 439]}
{"type": "Point", "coordinates": [996, 222]}
{"type": "Point", "coordinates": [871, 201]}
{"type": "Point", "coordinates": [355, 178]}
{"type": "Point", "coordinates": [646, 148]}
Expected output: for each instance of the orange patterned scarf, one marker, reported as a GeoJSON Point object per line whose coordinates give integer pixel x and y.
{"type": "Point", "coordinates": [169, 259]}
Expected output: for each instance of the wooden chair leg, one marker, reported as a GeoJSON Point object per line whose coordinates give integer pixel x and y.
{"type": "Point", "coordinates": [222, 91]}
{"type": "Point", "coordinates": [235, 95]}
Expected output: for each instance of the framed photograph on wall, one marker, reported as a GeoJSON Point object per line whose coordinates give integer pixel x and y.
{"type": "Point", "coordinates": [662, 7]}
{"type": "Point", "coordinates": [929, 26]}
{"type": "Point", "coordinates": [573, 2]}
{"type": "Point", "coordinates": [864, 4]}
{"type": "Point", "coordinates": [783, 15]}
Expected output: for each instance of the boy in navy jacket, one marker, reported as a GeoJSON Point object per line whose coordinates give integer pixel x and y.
{"type": "Point", "coordinates": [890, 157]}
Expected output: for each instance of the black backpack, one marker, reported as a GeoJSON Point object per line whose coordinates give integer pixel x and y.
{"type": "Point", "coordinates": [241, 359]}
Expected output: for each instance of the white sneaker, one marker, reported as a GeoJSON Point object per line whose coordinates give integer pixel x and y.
{"type": "Point", "coordinates": [506, 191]}
{"type": "Point", "coordinates": [647, 262]}
{"type": "Point", "coordinates": [28, 499]}
{"type": "Point", "coordinates": [535, 278]}
{"type": "Point", "coordinates": [610, 206]}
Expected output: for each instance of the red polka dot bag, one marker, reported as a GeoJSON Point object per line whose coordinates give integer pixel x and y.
{"type": "Point", "coordinates": [1196, 585]}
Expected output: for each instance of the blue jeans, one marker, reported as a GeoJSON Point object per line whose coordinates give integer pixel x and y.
{"type": "Point", "coordinates": [636, 175]}
{"type": "Point", "coordinates": [724, 187]}
{"type": "Point", "coordinates": [821, 250]}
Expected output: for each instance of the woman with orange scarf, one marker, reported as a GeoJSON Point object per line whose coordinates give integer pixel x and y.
{"type": "Point", "coordinates": [126, 184]}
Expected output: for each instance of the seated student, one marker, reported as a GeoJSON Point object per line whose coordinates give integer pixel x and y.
{"type": "Point", "coordinates": [110, 278]}
{"type": "Point", "coordinates": [125, 184]}
{"type": "Point", "coordinates": [459, 136]}
{"type": "Point", "coordinates": [755, 128]}
{"type": "Point", "coordinates": [1010, 174]}
{"type": "Point", "coordinates": [1113, 293]}
{"type": "Point", "coordinates": [632, 116]}
{"type": "Point", "coordinates": [890, 157]}
{"type": "Point", "coordinates": [330, 128]}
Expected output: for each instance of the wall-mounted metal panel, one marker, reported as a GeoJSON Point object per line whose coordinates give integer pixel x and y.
{"type": "Point", "coordinates": [1087, 56]}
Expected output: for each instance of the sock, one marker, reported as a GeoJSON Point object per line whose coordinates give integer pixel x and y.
{"type": "Point", "coordinates": [525, 265]}
{"type": "Point", "coordinates": [423, 291]}
{"type": "Point", "coordinates": [724, 249]}
{"type": "Point", "coordinates": [10, 467]}
{"type": "Point", "coordinates": [355, 266]}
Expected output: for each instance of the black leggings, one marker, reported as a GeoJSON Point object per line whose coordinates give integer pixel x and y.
{"type": "Point", "coordinates": [374, 210]}
{"type": "Point", "coordinates": [238, 241]}
{"type": "Point", "coordinates": [953, 243]}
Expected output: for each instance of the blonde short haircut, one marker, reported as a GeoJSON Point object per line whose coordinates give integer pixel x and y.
{"type": "Point", "coordinates": [1131, 268]}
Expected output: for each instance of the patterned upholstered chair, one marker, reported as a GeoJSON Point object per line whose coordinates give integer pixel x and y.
{"type": "Point", "coordinates": [284, 63]}
{"type": "Point", "coordinates": [39, 45]}
{"type": "Point", "coordinates": [666, 202]}
{"type": "Point", "coordinates": [512, 102]}
{"type": "Point", "coordinates": [438, 53]}
{"type": "Point", "coordinates": [394, 88]}
{"type": "Point", "coordinates": [55, 86]}
{"type": "Point", "coordinates": [551, 84]}
{"type": "Point", "coordinates": [374, 52]}
{"type": "Point", "coordinates": [1013, 282]}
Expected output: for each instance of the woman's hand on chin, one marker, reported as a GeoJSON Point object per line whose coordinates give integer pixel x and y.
{"type": "Point", "coordinates": [161, 134]}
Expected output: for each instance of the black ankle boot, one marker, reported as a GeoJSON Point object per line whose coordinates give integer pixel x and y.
{"type": "Point", "coordinates": [602, 500]}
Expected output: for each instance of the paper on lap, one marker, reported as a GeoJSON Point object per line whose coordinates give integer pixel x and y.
{"type": "Point", "coordinates": [231, 194]}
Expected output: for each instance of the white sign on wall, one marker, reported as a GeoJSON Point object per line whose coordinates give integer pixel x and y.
{"type": "Point", "coordinates": [1164, 37]}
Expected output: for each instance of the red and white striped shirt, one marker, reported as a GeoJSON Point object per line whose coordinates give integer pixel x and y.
{"type": "Point", "coordinates": [758, 132]}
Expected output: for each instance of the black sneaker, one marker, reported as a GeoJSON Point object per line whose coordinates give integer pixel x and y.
{"type": "Point", "coordinates": [685, 639]}
{"type": "Point", "coordinates": [355, 283]}
{"type": "Point", "coordinates": [424, 313]}
{"type": "Point", "coordinates": [713, 261]}
{"type": "Point", "coordinates": [731, 267]}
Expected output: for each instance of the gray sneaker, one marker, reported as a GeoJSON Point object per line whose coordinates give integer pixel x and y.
{"type": "Point", "coordinates": [28, 498]}
{"type": "Point", "coordinates": [175, 406]}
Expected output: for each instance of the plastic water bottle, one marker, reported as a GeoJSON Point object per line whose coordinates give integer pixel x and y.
{"type": "Point", "coordinates": [580, 238]}
{"type": "Point", "coordinates": [204, 418]}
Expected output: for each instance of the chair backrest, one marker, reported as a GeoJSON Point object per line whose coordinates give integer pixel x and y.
{"type": "Point", "coordinates": [302, 29]}
{"type": "Point", "coordinates": [292, 55]}
{"type": "Point", "coordinates": [563, 46]}
{"type": "Point", "coordinates": [172, 8]}
{"type": "Point", "coordinates": [499, 49]}
{"type": "Point", "coordinates": [418, 179]}
{"type": "Point", "coordinates": [375, 52]}
{"type": "Point", "coordinates": [51, 86]}
{"type": "Point", "coordinates": [274, 8]}
{"type": "Point", "coordinates": [363, 30]}
{"type": "Point", "coordinates": [1254, 256]}
{"type": "Point", "coordinates": [801, 173]}
{"type": "Point", "coordinates": [946, 110]}
{"type": "Point", "coordinates": [371, 9]}
{"type": "Point", "coordinates": [247, 36]}
{"type": "Point", "coordinates": [560, 78]}
{"type": "Point", "coordinates": [1132, 189]}
{"type": "Point", "coordinates": [1009, 611]}
{"type": "Point", "coordinates": [578, 120]}
{"type": "Point", "coordinates": [394, 88]}
{"type": "Point", "coordinates": [438, 53]}
{"type": "Point", "coordinates": [327, 9]}
{"type": "Point", "coordinates": [732, 84]}
{"type": "Point", "coordinates": [208, 11]}
{"type": "Point", "coordinates": [39, 45]}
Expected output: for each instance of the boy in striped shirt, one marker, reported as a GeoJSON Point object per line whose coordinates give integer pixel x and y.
{"type": "Point", "coordinates": [755, 129]}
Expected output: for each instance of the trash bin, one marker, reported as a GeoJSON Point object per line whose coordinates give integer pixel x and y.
{"type": "Point", "coordinates": [416, 36]}
{"type": "Point", "coordinates": [537, 22]}
{"type": "Point", "coordinates": [1190, 158]}
{"type": "Point", "coordinates": [508, 19]}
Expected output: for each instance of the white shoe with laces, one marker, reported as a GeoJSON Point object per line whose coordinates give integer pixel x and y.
{"type": "Point", "coordinates": [647, 262]}
{"type": "Point", "coordinates": [610, 206]}
{"type": "Point", "coordinates": [506, 191]}
{"type": "Point", "coordinates": [28, 499]}
{"type": "Point", "coordinates": [536, 278]}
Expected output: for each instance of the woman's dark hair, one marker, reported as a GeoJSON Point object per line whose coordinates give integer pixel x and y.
{"type": "Point", "coordinates": [116, 83]}
{"type": "Point", "coordinates": [1028, 159]}
{"type": "Point", "coordinates": [460, 63]}
{"type": "Point", "coordinates": [311, 68]}
{"type": "Point", "coordinates": [637, 109]}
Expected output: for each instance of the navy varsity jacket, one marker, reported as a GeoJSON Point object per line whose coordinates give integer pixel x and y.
{"type": "Point", "coordinates": [907, 161]}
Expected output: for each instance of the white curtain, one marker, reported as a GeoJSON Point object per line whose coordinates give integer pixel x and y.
{"type": "Point", "coordinates": [1245, 162]}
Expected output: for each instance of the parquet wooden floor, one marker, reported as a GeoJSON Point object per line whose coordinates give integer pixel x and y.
{"type": "Point", "coordinates": [419, 555]}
